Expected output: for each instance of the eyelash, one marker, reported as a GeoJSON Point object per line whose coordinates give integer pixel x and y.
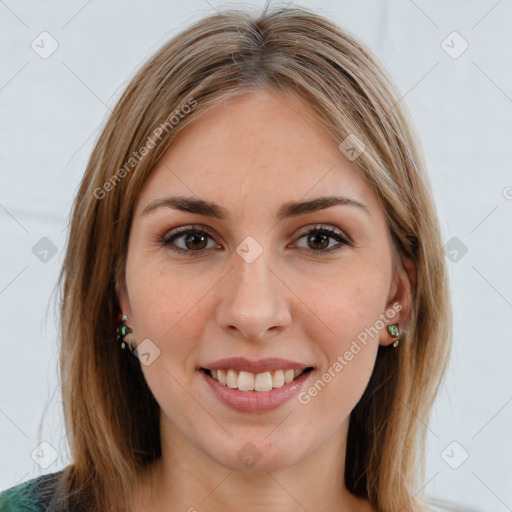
{"type": "Point", "coordinates": [168, 239]}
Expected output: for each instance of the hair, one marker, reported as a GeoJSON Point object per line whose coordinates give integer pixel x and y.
{"type": "Point", "coordinates": [111, 416]}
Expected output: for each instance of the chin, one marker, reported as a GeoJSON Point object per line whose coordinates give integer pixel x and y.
{"type": "Point", "coordinates": [252, 454]}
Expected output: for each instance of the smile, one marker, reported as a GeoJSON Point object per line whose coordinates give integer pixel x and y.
{"type": "Point", "coordinates": [248, 381]}
{"type": "Point", "coordinates": [261, 395]}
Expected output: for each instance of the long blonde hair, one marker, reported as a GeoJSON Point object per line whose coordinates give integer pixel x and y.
{"type": "Point", "coordinates": [111, 417]}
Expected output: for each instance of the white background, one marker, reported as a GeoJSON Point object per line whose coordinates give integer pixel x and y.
{"type": "Point", "coordinates": [51, 110]}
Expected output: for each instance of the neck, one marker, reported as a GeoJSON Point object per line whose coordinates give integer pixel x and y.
{"type": "Point", "coordinates": [186, 478]}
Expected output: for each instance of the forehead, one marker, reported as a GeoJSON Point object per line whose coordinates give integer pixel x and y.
{"type": "Point", "coordinates": [259, 149]}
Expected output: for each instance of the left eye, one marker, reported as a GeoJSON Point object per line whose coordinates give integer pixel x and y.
{"type": "Point", "coordinates": [320, 236]}
{"type": "Point", "coordinates": [195, 241]}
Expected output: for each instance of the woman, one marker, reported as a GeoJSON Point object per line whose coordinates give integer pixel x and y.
{"type": "Point", "coordinates": [255, 228]}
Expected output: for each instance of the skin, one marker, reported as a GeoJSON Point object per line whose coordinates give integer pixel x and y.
{"type": "Point", "coordinates": [290, 302]}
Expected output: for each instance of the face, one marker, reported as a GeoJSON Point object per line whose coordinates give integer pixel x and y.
{"type": "Point", "coordinates": [312, 287]}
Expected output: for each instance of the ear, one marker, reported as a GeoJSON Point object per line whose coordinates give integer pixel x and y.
{"type": "Point", "coordinates": [401, 295]}
{"type": "Point", "coordinates": [124, 302]}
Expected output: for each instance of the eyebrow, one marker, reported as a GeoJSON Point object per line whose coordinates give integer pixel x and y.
{"type": "Point", "coordinates": [289, 209]}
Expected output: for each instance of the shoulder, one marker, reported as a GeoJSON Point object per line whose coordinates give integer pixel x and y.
{"type": "Point", "coordinates": [31, 496]}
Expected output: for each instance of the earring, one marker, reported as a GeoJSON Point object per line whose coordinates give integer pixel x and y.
{"type": "Point", "coordinates": [122, 331]}
{"type": "Point", "coordinates": [394, 331]}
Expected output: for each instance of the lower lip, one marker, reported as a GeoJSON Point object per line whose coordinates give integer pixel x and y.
{"type": "Point", "coordinates": [256, 401]}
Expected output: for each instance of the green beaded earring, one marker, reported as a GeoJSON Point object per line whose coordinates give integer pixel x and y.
{"type": "Point", "coordinates": [122, 331]}
{"type": "Point", "coordinates": [394, 331]}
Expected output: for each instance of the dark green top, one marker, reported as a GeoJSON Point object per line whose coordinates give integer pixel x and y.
{"type": "Point", "coordinates": [36, 495]}
{"type": "Point", "coordinates": [30, 496]}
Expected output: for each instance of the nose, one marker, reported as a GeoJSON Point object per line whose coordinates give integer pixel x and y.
{"type": "Point", "coordinates": [254, 301]}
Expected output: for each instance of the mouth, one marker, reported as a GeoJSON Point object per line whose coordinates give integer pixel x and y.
{"type": "Point", "coordinates": [255, 382]}
{"type": "Point", "coordinates": [248, 392]}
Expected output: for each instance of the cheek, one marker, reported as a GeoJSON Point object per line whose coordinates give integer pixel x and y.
{"type": "Point", "coordinates": [165, 304]}
{"type": "Point", "coordinates": [345, 326]}
{"type": "Point", "coordinates": [345, 305]}
{"type": "Point", "coordinates": [348, 352]}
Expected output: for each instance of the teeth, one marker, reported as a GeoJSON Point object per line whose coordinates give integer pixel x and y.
{"type": "Point", "coordinates": [232, 379]}
{"type": "Point", "coordinates": [247, 381]}
{"type": "Point", "coordinates": [263, 382]}
{"type": "Point", "coordinates": [278, 379]}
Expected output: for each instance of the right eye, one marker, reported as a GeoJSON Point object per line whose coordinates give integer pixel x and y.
{"type": "Point", "coordinates": [194, 241]}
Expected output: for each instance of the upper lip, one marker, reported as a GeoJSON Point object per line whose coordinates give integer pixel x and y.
{"type": "Point", "coordinates": [259, 366]}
